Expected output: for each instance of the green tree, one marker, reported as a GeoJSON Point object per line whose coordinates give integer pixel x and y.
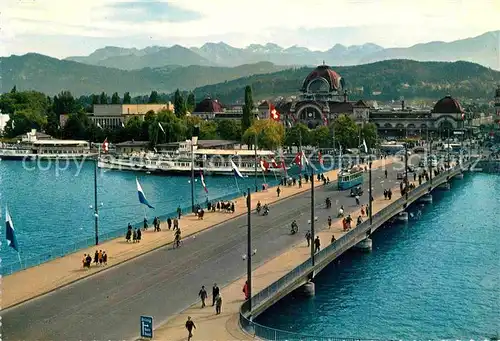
{"type": "Point", "coordinates": [64, 103]}
{"type": "Point", "coordinates": [321, 137]}
{"type": "Point", "coordinates": [229, 129]}
{"type": "Point", "coordinates": [23, 121]}
{"type": "Point", "coordinates": [175, 128]}
{"type": "Point", "coordinates": [77, 126]}
{"type": "Point", "coordinates": [369, 133]}
{"type": "Point", "coordinates": [14, 90]}
{"type": "Point", "coordinates": [297, 133]}
{"type": "Point", "coordinates": [24, 100]}
{"type": "Point", "coordinates": [208, 130]}
{"type": "Point", "coordinates": [191, 102]}
{"type": "Point", "coordinates": [95, 99]}
{"type": "Point", "coordinates": [115, 99]}
{"type": "Point", "coordinates": [153, 97]}
{"type": "Point", "coordinates": [270, 134]}
{"type": "Point", "coordinates": [179, 104]}
{"type": "Point", "coordinates": [126, 98]}
{"type": "Point", "coordinates": [133, 128]}
{"type": "Point", "coordinates": [346, 132]}
{"type": "Point", "coordinates": [103, 99]}
{"type": "Point", "coordinates": [247, 118]}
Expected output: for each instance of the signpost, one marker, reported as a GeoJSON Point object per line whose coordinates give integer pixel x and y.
{"type": "Point", "coordinates": [147, 326]}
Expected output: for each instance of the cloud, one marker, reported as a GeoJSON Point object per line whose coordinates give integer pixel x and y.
{"type": "Point", "coordinates": [141, 11]}
{"type": "Point", "coordinates": [317, 24]}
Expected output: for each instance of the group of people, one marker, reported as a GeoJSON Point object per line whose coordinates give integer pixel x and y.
{"type": "Point", "coordinates": [133, 233]}
{"type": "Point", "coordinates": [100, 258]}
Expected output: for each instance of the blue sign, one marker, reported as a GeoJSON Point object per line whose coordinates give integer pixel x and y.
{"type": "Point", "coordinates": [147, 326]}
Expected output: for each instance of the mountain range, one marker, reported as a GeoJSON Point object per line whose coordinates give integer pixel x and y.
{"type": "Point", "coordinates": [483, 49]}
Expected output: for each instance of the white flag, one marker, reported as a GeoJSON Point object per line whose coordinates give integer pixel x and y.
{"type": "Point", "coordinates": [365, 146]}
{"type": "Point", "coordinates": [123, 125]}
{"type": "Point", "coordinates": [99, 125]}
{"type": "Point", "coordinates": [163, 130]}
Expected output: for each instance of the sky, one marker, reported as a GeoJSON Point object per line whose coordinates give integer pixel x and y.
{"type": "Point", "coordinates": [62, 28]}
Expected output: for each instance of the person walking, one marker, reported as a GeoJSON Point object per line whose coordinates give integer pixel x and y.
{"type": "Point", "coordinates": [169, 223]}
{"type": "Point", "coordinates": [385, 172]}
{"type": "Point", "coordinates": [218, 304]}
{"type": "Point", "coordinates": [278, 191]}
{"type": "Point", "coordinates": [308, 238]}
{"type": "Point", "coordinates": [215, 293]}
{"type": "Point", "coordinates": [190, 326]}
{"type": "Point", "coordinates": [329, 222]}
{"type": "Point", "coordinates": [317, 244]}
{"type": "Point", "coordinates": [203, 295]}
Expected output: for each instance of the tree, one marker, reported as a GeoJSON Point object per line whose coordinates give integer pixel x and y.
{"type": "Point", "coordinates": [64, 103]}
{"type": "Point", "coordinates": [369, 133]}
{"type": "Point", "coordinates": [133, 128]}
{"type": "Point", "coordinates": [296, 134]}
{"type": "Point", "coordinates": [229, 129]}
{"type": "Point", "coordinates": [95, 99]}
{"type": "Point", "coordinates": [270, 134]}
{"type": "Point", "coordinates": [23, 121]}
{"type": "Point", "coordinates": [191, 102]}
{"type": "Point", "coordinates": [14, 90]}
{"type": "Point", "coordinates": [247, 118]}
{"type": "Point", "coordinates": [179, 104]}
{"type": "Point", "coordinates": [321, 137]}
{"type": "Point", "coordinates": [153, 97]}
{"type": "Point", "coordinates": [126, 98]}
{"type": "Point", "coordinates": [103, 99]}
{"type": "Point", "coordinates": [115, 99]}
{"type": "Point", "coordinates": [77, 126]}
{"type": "Point", "coordinates": [175, 128]}
{"type": "Point", "coordinates": [208, 130]}
{"type": "Point", "coordinates": [346, 132]}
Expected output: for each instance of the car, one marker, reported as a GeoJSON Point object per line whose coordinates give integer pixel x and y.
{"type": "Point", "coordinates": [356, 191]}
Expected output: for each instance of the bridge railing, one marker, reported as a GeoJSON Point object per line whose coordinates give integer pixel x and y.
{"type": "Point", "coordinates": [306, 267]}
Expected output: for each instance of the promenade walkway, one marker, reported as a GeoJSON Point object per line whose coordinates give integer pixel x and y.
{"type": "Point", "coordinates": [225, 326]}
{"type": "Point", "coordinates": [36, 281]}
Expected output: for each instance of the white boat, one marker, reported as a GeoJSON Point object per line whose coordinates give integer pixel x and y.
{"type": "Point", "coordinates": [210, 161]}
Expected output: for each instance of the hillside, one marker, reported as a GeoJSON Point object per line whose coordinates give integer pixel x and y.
{"type": "Point", "coordinates": [50, 75]}
{"type": "Point", "coordinates": [483, 49]}
{"type": "Point", "coordinates": [393, 78]}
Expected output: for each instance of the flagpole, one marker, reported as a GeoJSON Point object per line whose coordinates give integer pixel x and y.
{"type": "Point", "coordinates": [255, 168]}
{"type": "Point", "coordinates": [19, 257]}
{"type": "Point", "coordinates": [238, 187]}
{"type": "Point", "coordinates": [96, 210]}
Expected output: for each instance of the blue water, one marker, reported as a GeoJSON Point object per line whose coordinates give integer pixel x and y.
{"type": "Point", "coordinates": [436, 278]}
{"type": "Point", "coordinates": [51, 207]}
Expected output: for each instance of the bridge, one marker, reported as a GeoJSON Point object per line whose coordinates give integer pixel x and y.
{"type": "Point", "coordinates": [302, 275]}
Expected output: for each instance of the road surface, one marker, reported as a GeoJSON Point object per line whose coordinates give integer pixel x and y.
{"type": "Point", "coordinates": [107, 306]}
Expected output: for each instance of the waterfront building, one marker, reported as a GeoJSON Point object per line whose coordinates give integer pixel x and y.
{"type": "Point", "coordinates": [323, 97]}
{"type": "Point", "coordinates": [213, 109]}
{"type": "Point", "coordinates": [114, 115]}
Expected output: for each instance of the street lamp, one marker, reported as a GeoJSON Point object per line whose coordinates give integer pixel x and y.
{"type": "Point", "coordinates": [370, 188]}
{"type": "Point", "coordinates": [406, 170]}
{"type": "Point", "coordinates": [256, 161]}
{"type": "Point", "coordinates": [312, 216]}
{"type": "Point", "coordinates": [194, 141]}
{"type": "Point", "coordinates": [249, 250]}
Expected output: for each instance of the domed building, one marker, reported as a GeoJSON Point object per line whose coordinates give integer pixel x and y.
{"type": "Point", "coordinates": [323, 97]}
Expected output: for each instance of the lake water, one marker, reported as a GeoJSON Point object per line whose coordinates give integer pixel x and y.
{"type": "Point", "coordinates": [436, 278]}
{"type": "Point", "coordinates": [51, 210]}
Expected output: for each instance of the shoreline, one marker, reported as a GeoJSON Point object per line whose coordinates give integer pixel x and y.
{"type": "Point", "coordinates": [66, 270]}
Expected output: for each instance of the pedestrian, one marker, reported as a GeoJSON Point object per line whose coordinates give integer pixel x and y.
{"type": "Point", "coordinates": [357, 199]}
{"type": "Point", "coordinates": [189, 326]}
{"type": "Point", "coordinates": [100, 257]}
{"type": "Point", "coordinates": [246, 290]}
{"type": "Point", "coordinates": [333, 239]}
{"type": "Point", "coordinates": [203, 295]}
{"type": "Point", "coordinates": [215, 293]}
{"type": "Point", "coordinates": [169, 223]}
{"type": "Point", "coordinates": [139, 235]}
{"type": "Point", "coordinates": [329, 222]}
{"type": "Point", "coordinates": [176, 224]}
{"type": "Point", "coordinates": [385, 172]}
{"type": "Point", "coordinates": [179, 212]}
{"type": "Point", "coordinates": [96, 257]}
{"type": "Point", "coordinates": [308, 238]}
{"type": "Point", "coordinates": [389, 194]}
{"type": "Point", "coordinates": [317, 244]}
{"type": "Point", "coordinates": [278, 191]}
{"type": "Point", "coordinates": [105, 258]}
{"type": "Point", "coordinates": [218, 304]}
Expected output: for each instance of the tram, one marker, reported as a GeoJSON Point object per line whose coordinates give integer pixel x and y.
{"type": "Point", "coordinates": [349, 179]}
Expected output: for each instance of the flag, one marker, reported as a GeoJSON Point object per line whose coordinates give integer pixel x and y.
{"type": "Point", "coordinates": [142, 197]}
{"type": "Point", "coordinates": [298, 159]}
{"type": "Point", "coordinates": [10, 234]}
{"type": "Point", "coordinates": [274, 164]}
{"type": "Point", "coordinates": [123, 125]}
{"type": "Point", "coordinates": [284, 168]}
{"type": "Point", "coordinates": [202, 178]}
{"type": "Point", "coordinates": [236, 171]}
{"type": "Point", "coordinates": [275, 115]}
{"type": "Point", "coordinates": [105, 145]}
{"type": "Point", "coordinates": [99, 125]}
{"type": "Point", "coordinates": [463, 116]}
{"type": "Point", "coordinates": [320, 158]}
{"type": "Point", "coordinates": [365, 146]}
{"type": "Point", "coordinates": [264, 165]}
{"type": "Point", "coordinates": [306, 161]}
{"type": "Point", "coordinates": [12, 124]}
{"type": "Point", "coordinates": [163, 130]}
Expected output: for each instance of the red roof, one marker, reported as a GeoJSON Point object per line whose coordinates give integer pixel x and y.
{"type": "Point", "coordinates": [448, 105]}
{"type": "Point", "coordinates": [209, 105]}
{"type": "Point", "coordinates": [323, 71]}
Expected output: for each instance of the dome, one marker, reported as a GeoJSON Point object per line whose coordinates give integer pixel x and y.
{"type": "Point", "coordinates": [448, 105]}
{"type": "Point", "coordinates": [325, 74]}
{"type": "Point", "coordinates": [209, 105]}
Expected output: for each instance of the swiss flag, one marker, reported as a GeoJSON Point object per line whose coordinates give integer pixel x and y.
{"type": "Point", "coordinates": [275, 115]}
{"type": "Point", "coordinates": [274, 164]}
{"type": "Point", "coordinates": [105, 145]}
{"type": "Point", "coordinates": [264, 165]}
{"type": "Point", "coordinates": [298, 159]}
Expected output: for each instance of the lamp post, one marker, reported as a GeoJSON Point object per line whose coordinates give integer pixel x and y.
{"type": "Point", "coordinates": [406, 170]}
{"type": "Point", "coordinates": [96, 210]}
{"type": "Point", "coordinates": [312, 216]}
{"type": "Point", "coordinates": [256, 161]}
{"type": "Point", "coordinates": [249, 250]}
{"type": "Point", "coordinates": [448, 151]}
{"type": "Point", "coordinates": [370, 188]}
{"type": "Point", "coordinates": [429, 163]}
{"type": "Point", "coordinates": [194, 141]}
